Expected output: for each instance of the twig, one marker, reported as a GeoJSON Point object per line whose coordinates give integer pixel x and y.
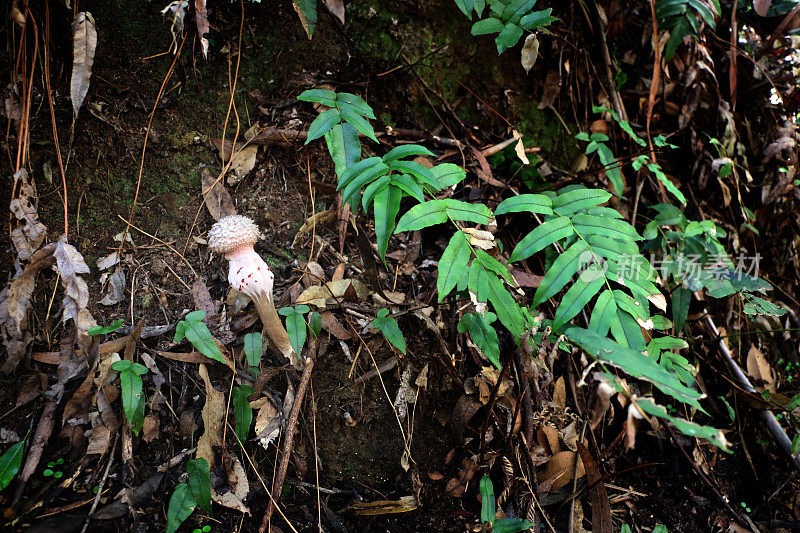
{"type": "Point", "coordinates": [102, 483]}
{"type": "Point", "coordinates": [288, 442]}
{"type": "Point", "coordinates": [773, 426]}
{"type": "Point", "coordinates": [707, 481]}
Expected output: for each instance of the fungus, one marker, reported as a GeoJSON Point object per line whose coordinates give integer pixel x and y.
{"type": "Point", "coordinates": [234, 237]}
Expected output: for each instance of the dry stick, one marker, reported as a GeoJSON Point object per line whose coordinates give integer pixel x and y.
{"type": "Point", "coordinates": [288, 442]}
{"type": "Point", "coordinates": [708, 482]}
{"type": "Point", "coordinates": [102, 483]}
{"type": "Point", "coordinates": [316, 456]}
{"type": "Point", "coordinates": [773, 426]}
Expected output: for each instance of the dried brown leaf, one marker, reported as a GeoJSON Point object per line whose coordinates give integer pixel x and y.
{"type": "Point", "coordinates": [116, 288]}
{"type": "Point", "coordinates": [334, 327]}
{"type": "Point", "coordinates": [759, 369]}
{"type": "Point", "coordinates": [84, 43]}
{"type": "Point", "coordinates": [560, 470]}
{"type": "Point", "coordinates": [201, 20]}
{"type": "Point", "coordinates": [530, 51]}
{"type": "Point", "coordinates": [217, 198]}
{"type": "Point", "coordinates": [71, 265]}
{"type": "Point", "coordinates": [336, 7]}
{"type": "Point", "coordinates": [318, 295]}
{"type": "Point", "coordinates": [213, 418]}
{"type": "Point", "coordinates": [29, 236]}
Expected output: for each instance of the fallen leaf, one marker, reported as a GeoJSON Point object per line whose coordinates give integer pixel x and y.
{"type": "Point", "coordinates": [268, 421]}
{"type": "Point", "coordinates": [758, 368]}
{"type": "Point", "coordinates": [762, 7]}
{"type": "Point", "coordinates": [318, 295]}
{"type": "Point", "coordinates": [201, 20]}
{"type": "Point", "coordinates": [336, 7]}
{"type": "Point", "coordinates": [560, 470]}
{"type": "Point", "coordinates": [457, 486]}
{"type": "Point", "coordinates": [548, 439]}
{"type": "Point", "coordinates": [71, 265]}
{"type": "Point", "coordinates": [150, 427]}
{"type": "Point", "coordinates": [552, 86]}
{"type": "Point", "coordinates": [84, 42]}
{"type": "Point", "coordinates": [217, 198]}
{"type": "Point", "coordinates": [242, 162]}
{"type": "Point", "coordinates": [240, 487]}
{"type": "Point", "coordinates": [104, 263]}
{"type": "Point", "coordinates": [480, 238]}
{"type": "Point", "coordinates": [29, 236]}
{"type": "Point", "coordinates": [202, 298]}
{"type": "Point", "coordinates": [15, 302]}
{"type": "Point", "coordinates": [530, 51]}
{"type": "Point", "coordinates": [334, 327]}
{"type": "Point", "coordinates": [560, 393]}
{"type": "Point", "coordinates": [213, 417]}
{"type": "Point", "coordinates": [116, 288]}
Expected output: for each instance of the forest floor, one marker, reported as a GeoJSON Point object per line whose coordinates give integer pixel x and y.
{"type": "Point", "coordinates": [417, 66]}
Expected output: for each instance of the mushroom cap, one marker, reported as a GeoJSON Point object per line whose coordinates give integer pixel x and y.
{"type": "Point", "coordinates": [232, 233]}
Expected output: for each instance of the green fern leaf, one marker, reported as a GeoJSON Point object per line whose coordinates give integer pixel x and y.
{"type": "Point", "coordinates": [386, 206]}
{"type": "Point", "coordinates": [550, 231]}
{"type": "Point", "coordinates": [453, 264]}
{"type": "Point", "coordinates": [344, 146]}
{"type": "Point", "coordinates": [559, 274]}
{"type": "Point", "coordinates": [575, 200]}
{"type": "Point", "coordinates": [435, 212]}
{"type": "Point", "coordinates": [579, 295]}
{"type": "Point", "coordinates": [529, 203]}
{"type": "Point", "coordinates": [405, 150]}
{"type": "Point", "coordinates": [634, 363]}
{"type": "Point", "coordinates": [504, 305]}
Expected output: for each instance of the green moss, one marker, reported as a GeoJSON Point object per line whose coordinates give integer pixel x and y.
{"type": "Point", "coordinates": [542, 128]}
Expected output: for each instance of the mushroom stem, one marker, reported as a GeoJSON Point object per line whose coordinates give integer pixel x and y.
{"type": "Point", "coordinates": [274, 327]}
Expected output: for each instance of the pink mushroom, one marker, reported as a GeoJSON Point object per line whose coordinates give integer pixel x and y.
{"type": "Point", "coordinates": [234, 237]}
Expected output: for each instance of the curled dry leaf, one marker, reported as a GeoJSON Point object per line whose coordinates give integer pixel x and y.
{"type": "Point", "coordinates": [560, 470]}
{"type": "Point", "coordinates": [381, 507]}
{"type": "Point", "coordinates": [406, 394]}
{"type": "Point", "coordinates": [334, 327]}
{"type": "Point", "coordinates": [202, 298]}
{"type": "Point", "coordinates": [15, 301]}
{"type": "Point", "coordinates": [213, 418]}
{"type": "Point", "coordinates": [268, 421]}
{"type": "Point", "coordinates": [242, 161]}
{"type": "Point", "coordinates": [84, 43]}
{"type": "Point", "coordinates": [519, 148]}
{"type": "Point", "coordinates": [318, 295]}
{"type": "Point", "coordinates": [603, 401]}
{"type": "Point", "coordinates": [758, 368]}
{"type": "Point", "coordinates": [336, 7]}
{"type": "Point", "coordinates": [762, 7]}
{"type": "Point", "coordinates": [530, 51]}
{"type": "Point", "coordinates": [71, 265]}
{"type": "Point", "coordinates": [217, 198]}
{"type": "Point", "coordinates": [30, 234]}
{"type": "Point", "coordinates": [457, 486]}
{"type": "Point", "coordinates": [201, 19]}
{"type": "Point", "coordinates": [115, 292]}
{"type": "Point", "coordinates": [480, 238]}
